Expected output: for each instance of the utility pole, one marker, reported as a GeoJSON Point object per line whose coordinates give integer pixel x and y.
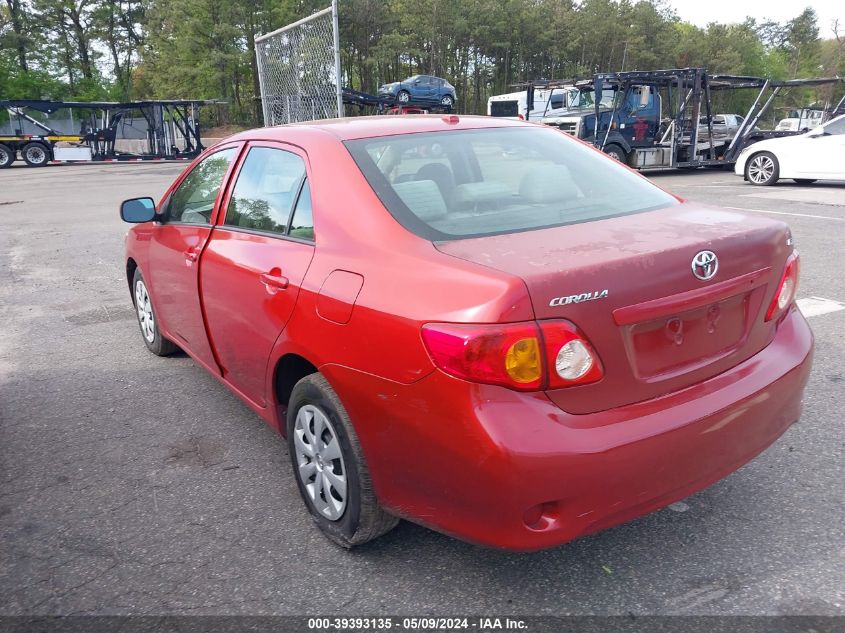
{"type": "Point", "coordinates": [625, 51]}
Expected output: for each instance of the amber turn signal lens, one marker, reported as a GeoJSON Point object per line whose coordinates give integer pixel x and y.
{"type": "Point", "coordinates": [522, 360]}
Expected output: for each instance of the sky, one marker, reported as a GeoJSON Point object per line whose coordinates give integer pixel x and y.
{"type": "Point", "coordinates": [700, 12]}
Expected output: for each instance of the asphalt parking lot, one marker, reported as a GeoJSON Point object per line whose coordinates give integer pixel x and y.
{"type": "Point", "coordinates": [136, 484]}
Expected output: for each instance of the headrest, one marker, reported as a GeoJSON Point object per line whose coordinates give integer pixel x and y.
{"type": "Point", "coordinates": [423, 198]}
{"type": "Point", "coordinates": [548, 183]}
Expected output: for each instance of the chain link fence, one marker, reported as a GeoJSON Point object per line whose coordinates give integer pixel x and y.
{"type": "Point", "coordinates": [299, 70]}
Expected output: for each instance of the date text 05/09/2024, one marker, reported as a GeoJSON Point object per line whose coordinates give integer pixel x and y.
{"type": "Point", "coordinates": [361, 624]}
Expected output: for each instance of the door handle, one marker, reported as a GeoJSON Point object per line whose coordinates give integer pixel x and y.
{"type": "Point", "coordinates": [191, 255]}
{"type": "Point", "coordinates": [274, 280]}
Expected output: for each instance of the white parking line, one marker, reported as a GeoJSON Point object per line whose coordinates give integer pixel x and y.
{"type": "Point", "coordinates": [815, 306]}
{"type": "Point", "coordinates": [800, 215]}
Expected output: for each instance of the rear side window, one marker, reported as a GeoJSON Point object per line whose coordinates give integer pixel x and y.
{"type": "Point", "coordinates": [302, 223]}
{"type": "Point", "coordinates": [266, 190]}
{"type": "Point", "coordinates": [468, 183]}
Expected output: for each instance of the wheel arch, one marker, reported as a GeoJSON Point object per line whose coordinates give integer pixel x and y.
{"type": "Point", "coordinates": [757, 152]}
{"type": "Point", "coordinates": [615, 138]}
{"type": "Point", "coordinates": [131, 267]}
{"type": "Point", "coordinates": [289, 370]}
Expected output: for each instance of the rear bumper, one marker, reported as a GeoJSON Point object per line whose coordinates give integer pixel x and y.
{"type": "Point", "coordinates": [470, 460]}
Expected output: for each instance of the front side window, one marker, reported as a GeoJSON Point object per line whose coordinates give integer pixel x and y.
{"type": "Point", "coordinates": [194, 198]}
{"type": "Point", "coordinates": [469, 183]}
{"type": "Point", "coordinates": [266, 190]}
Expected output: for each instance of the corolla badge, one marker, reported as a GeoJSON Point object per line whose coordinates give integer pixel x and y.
{"type": "Point", "coordinates": [704, 265]}
{"type": "Point", "coordinates": [584, 296]}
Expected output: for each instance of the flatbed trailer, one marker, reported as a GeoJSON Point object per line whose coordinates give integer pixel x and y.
{"type": "Point", "coordinates": [664, 118]}
{"type": "Point", "coordinates": [171, 127]}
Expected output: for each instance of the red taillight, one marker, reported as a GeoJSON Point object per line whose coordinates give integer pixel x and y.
{"type": "Point", "coordinates": [785, 293]}
{"type": "Point", "coordinates": [521, 356]}
{"type": "Point", "coordinates": [507, 354]}
{"type": "Point", "coordinates": [521, 117]}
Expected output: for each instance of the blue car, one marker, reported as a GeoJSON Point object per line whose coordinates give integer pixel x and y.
{"type": "Point", "coordinates": [420, 90]}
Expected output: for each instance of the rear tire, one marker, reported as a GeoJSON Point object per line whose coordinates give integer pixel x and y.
{"type": "Point", "coordinates": [447, 101]}
{"type": "Point", "coordinates": [7, 156]}
{"type": "Point", "coordinates": [147, 320]}
{"type": "Point", "coordinates": [805, 181]}
{"type": "Point", "coordinates": [616, 152]}
{"type": "Point", "coordinates": [762, 169]}
{"type": "Point", "coordinates": [36, 154]}
{"type": "Point", "coordinates": [329, 466]}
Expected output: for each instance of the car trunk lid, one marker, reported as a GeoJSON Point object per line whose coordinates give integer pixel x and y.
{"type": "Point", "coordinates": [628, 284]}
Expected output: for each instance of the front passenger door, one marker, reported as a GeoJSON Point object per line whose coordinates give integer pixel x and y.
{"type": "Point", "coordinates": [175, 248]}
{"type": "Point", "coordinates": [423, 90]}
{"type": "Point", "coordinates": [825, 154]}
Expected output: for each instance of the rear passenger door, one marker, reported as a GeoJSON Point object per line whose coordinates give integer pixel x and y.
{"type": "Point", "coordinates": [253, 266]}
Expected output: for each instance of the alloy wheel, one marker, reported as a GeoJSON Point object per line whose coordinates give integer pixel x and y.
{"type": "Point", "coordinates": [319, 461]}
{"type": "Point", "coordinates": [145, 311]}
{"type": "Point", "coordinates": [760, 169]}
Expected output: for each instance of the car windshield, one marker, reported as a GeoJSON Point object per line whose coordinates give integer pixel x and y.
{"type": "Point", "coordinates": [468, 183]}
{"type": "Point", "coordinates": [585, 99]}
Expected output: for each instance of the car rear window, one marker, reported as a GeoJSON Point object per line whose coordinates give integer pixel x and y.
{"type": "Point", "coordinates": [469, 183]}
{"type": "Point", "coordinates": [504, 108]}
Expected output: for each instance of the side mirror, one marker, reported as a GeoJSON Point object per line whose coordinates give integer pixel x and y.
{"type": "Point", "coordinates": [137, 210]}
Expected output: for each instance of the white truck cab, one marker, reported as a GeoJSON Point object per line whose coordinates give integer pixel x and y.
{"type": "Point", "coordinates": [514, 105]}
{"type": "Point", "coordinates": [801, 120]}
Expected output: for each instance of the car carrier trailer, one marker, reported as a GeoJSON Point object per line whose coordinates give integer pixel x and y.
{"type": "Point", "coordinates": [170, 131]}
{"type": "Point", "coordinates": [664, 118]}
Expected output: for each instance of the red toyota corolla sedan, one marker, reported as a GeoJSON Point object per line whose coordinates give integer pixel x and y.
{"type": "Point", "coordinates": [483, 326]}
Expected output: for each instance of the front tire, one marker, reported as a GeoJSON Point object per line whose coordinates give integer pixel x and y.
{"type": "Point", "coordinates": [762, 169]}
{"type": "Point", "coordinates": [147, 320]}
{"type": "Point", "coordinates": [616, 152]}
{"type": "Point", "coordinates": [403, 97]}
{"type": "Point", "coordinates": [36, 154]}
{"type": "Point", "coordinates": [329, 466]}
{"type": "Point", "coordinates": [805, 181]}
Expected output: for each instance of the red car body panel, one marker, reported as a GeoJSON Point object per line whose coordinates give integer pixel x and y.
{"type": "Point", "coordinates": [471, 459]}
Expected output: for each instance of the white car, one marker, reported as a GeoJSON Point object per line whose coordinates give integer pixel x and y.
{"type": "Point", "coordinates": [816, 155]}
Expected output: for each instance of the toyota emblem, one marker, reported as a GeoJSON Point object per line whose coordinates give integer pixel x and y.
{"type": "Point", "coordinates": [704, 265]}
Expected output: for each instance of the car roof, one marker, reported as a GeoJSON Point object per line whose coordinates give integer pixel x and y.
{"type": "Point", "coordinates": [350, 128]}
